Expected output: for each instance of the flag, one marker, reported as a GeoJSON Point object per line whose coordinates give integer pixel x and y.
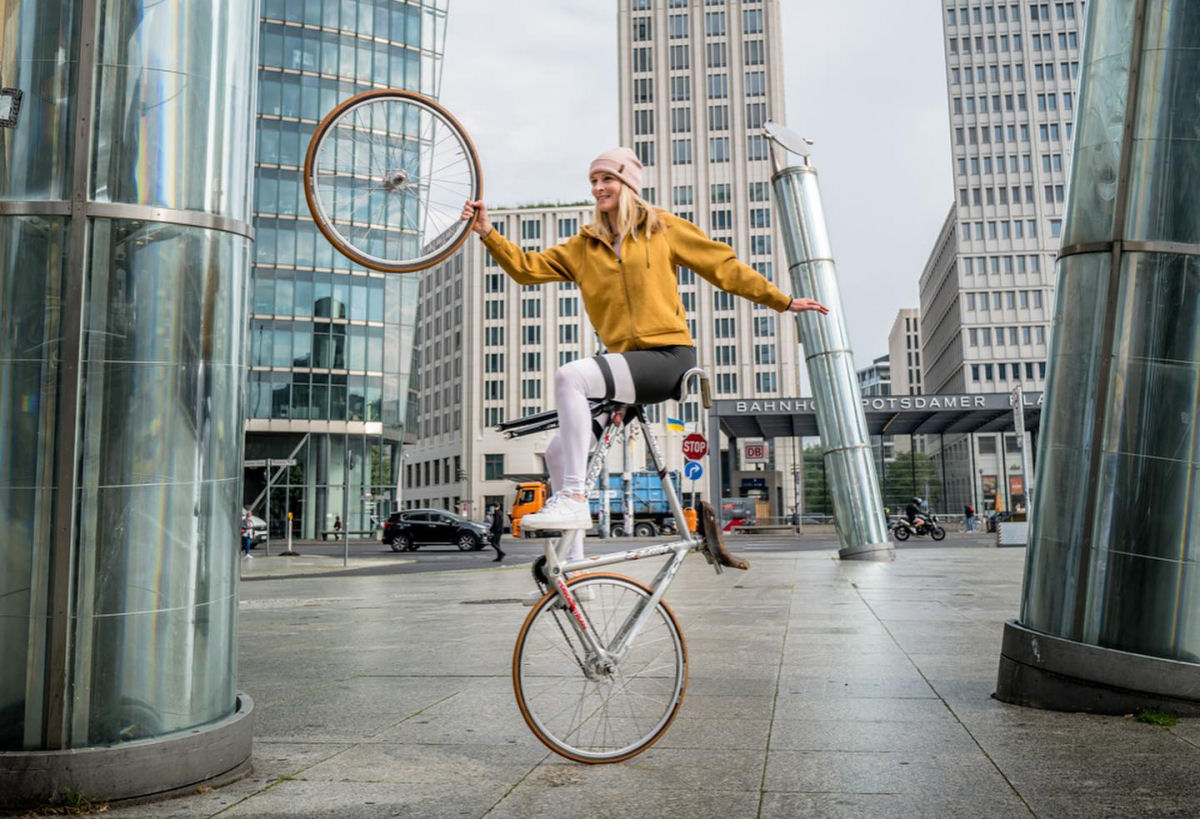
{"type": "Point", "coordinates": [675, 424]}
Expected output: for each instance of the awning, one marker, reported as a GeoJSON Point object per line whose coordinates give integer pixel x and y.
{"type": "Point", "coordinates": [956, 413]}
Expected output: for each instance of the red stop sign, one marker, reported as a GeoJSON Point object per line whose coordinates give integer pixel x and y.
{"type": "Point", "coordinates": [694, 447]}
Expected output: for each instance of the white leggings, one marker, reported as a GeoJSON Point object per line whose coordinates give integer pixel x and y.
{"type": "Point", "coordinates": [566, 456]}
{"type": "Point", "coordinates": [574, 384]}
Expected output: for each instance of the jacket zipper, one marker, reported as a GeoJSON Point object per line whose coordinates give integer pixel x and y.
{"type": "Point", "coordinates": [633, 339]}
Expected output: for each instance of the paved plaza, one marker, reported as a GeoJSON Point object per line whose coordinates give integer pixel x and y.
{"type": "Point", "coordinates": [817, 687]}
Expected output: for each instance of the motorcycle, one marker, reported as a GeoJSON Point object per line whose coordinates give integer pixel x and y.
{"type": "Point", "coordinates": [901, 529]}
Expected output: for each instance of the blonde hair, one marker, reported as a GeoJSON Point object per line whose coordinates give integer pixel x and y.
{"type": "Point", "coordinates": [633, 214]}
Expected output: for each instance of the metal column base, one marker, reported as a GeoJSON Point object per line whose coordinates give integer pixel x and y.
{"type": "Point", "coordinates": [150, 768]}
{"type": "Point", "coordinates": [1043, 671]}
{"type": "Point", "coordinates": [869, 551]}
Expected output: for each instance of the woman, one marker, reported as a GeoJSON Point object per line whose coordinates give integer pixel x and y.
{"type": "Point", "coordinates": [624, 264]}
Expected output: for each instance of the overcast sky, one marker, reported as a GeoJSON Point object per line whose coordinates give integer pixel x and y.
{"type": "Point", "coordinates": [535, 83]}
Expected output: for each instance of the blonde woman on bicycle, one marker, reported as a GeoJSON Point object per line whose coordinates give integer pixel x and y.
{"type": "Point", "coordinates": [624, 264]}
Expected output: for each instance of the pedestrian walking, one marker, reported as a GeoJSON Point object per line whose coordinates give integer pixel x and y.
{"type": "Point", "coordinates": [337, 527]}
{"type": "Point", "coordinates": [496, 530]}
{"type": "Point", "coordinates": [625, 264]}
{"type": "Point", "coordinates": [969, 516]}
{"type": "Point", "coordinates": [247, 536]}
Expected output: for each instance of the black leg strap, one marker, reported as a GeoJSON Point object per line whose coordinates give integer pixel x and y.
{"type": "Point", "coordinates": [610, 388]}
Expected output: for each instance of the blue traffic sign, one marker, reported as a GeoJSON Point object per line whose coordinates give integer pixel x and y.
{"type": "Point", "coordinates": [692, 470]}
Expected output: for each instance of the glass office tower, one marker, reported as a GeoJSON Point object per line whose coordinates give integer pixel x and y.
{"type": "Point", "coordinates": [330, 342]}
{"type": "Point", "coordinates": [125, 247]}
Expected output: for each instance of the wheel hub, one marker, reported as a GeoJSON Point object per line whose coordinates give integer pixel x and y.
{"type": "Point", "coordinates": [395, 180]}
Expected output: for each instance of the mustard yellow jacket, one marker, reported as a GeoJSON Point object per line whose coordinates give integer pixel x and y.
{"type": "Point", "coordinates": [633, 301]}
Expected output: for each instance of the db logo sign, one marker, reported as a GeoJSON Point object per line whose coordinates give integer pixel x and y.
{"type": "Point", "coordinates": [755, 453]}
{"type": "Point", "coordinates": [694, 447]}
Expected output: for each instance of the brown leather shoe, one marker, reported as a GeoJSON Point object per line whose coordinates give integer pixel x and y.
{"type": "Point", "coordinates": [714, 546]}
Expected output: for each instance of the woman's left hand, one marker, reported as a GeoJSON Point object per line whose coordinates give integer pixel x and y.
{"type": "Point", "coordinates": [801, 305]}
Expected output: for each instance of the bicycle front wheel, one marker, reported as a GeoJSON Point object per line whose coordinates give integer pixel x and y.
{"type": "Point", "coordinates": [385, 177]}
{"type": "Point", "coordinates": [576, 706]}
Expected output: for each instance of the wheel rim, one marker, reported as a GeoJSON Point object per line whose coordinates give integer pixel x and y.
{"type": "Point", "coordinates": [385, 177]}
{"type": "Point", "coordinates": [466, 543]}
{"type": "Point", "coordinates": [602, 717]}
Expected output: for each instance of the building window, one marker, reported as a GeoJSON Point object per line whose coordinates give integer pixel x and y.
{"type": "Point", "coordinates": [493, 466]}
{"type": "Point", "coordinates": [718, 117]}
{"type": "Point", "coordinates": [754, 52]}
{"type": "Point", "coordinates": [756, 147]}
{"type": "Point", "coordinates": [718, 149]}
{"type": "Point", "coordinates": [677, 26]}
{"type": "Point", "coordinates": [756, 83]}
{"type": "Point", "coordinates": [715, 55]}
{"type": "Point", "coordinates": [756, 114]}
{"type": "Point", "coordinates": [714, 23]}
{"type": "Point", "coordinates": [681, 89]}
{"type": "Point", "coordinates": [681, 152]}
{"type": "Point", "coordinates": [642, 30]}
{"type": "Point", "coordinates": [643, 122]}
{"type": "Point", "coordinates": [643, 90]}
{"type": "Point", "coordinates": [643, 60]}
{"type": "Point", "coordinates": [766, 382]}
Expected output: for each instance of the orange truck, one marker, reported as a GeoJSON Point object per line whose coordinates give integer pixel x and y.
{"type": "Point", "coordinates": [652, 512]}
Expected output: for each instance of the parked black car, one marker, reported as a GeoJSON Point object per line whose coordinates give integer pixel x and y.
{"type": "Point", "coordinates": [405, 531]}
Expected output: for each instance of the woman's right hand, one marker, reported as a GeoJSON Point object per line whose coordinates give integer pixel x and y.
{"type": "Point", "coordinates": [483, 225]}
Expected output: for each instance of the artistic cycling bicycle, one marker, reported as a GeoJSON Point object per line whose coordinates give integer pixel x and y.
{"type": "Point", "coordinates": [600, 664]}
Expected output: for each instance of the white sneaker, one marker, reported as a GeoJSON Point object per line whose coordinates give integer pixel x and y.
{"type": "Point", "coordinates": [247, 556]}
{"type": "Point", "coordinates": [562, 511]}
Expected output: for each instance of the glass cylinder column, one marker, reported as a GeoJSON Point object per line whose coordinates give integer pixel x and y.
{"type": "Point", "coordinates": [124, 259]}
{"type": "Point", "coordinates": [1110, 610]}
{"type": "Point", "coordinates": [857, 504]}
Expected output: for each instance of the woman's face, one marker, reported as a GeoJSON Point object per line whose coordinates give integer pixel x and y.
{"type": "Point", "coordinates": [606, 189]}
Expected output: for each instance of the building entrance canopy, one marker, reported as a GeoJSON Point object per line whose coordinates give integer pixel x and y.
{"type": "Point", "coordinates": [886, 415]}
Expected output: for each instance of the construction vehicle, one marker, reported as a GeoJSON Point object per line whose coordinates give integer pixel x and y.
{"type": "Point", "coordinates": [651, 511]}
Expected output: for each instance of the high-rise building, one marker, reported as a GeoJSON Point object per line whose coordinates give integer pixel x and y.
{"type": "Point", "coordinates": [876, 379]}
{"type": "Point", "coordinates": [330, 342]}
{"type": "Point", "coordinates": [904, 352]}
{"type": "Point", "coordinates": [697, 82]}
{"type": "Point", "coordinates": [987, 290]}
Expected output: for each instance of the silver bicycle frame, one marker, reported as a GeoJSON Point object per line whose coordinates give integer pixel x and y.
{"type": "Point", "coordinates": [557, 549]}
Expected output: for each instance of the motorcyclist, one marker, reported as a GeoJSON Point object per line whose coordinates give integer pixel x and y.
{"type": "Point", "coordinates": [913, 510]}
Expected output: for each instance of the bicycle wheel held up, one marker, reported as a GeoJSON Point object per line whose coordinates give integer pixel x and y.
{"type": "Point", "coordinates": [385, 176]}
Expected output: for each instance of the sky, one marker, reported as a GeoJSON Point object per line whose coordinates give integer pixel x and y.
{"type": "Point", "coordinates": [535, 84]}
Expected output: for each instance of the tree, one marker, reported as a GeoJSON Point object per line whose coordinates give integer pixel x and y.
{"type": "Point", "coordinates": [817, 498]}
{"type": "Point", "coordinates": [911, 474]}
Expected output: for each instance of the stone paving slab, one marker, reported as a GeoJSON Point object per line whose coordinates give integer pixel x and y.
{"type": "Point", "coordinates": [817, 688]}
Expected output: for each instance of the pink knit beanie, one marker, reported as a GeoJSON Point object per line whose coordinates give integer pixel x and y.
{"type": "Point", "coordinates": [621, 163]}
